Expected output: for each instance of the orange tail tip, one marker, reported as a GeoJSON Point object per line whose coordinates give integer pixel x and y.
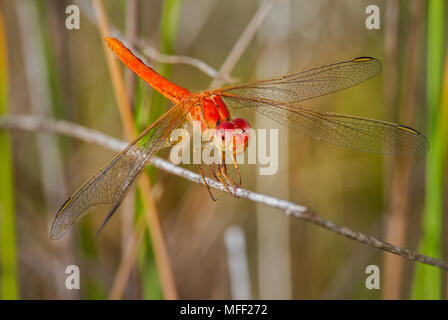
{"type": "Point", "coordinates": [110, 40]}
{"type": "Point", "coordinates": [115, 45]}
{"type": "Point", "coordinates": [170, 90]}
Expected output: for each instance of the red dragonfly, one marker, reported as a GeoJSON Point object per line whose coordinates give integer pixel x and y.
{"type": "Point", "coordinates": [276, 98]}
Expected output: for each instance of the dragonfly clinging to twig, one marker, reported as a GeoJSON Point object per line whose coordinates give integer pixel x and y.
{"type": "Point", "coordinates": [277, 98]}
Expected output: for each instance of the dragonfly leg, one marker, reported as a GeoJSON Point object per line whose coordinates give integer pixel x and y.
{"type": "Point", "coordinates": [235, 164]}
{"type": "Point", "coordinates": [215, 176]}
{"type": "Point", "coordinates": [206, 184]}
{"type": "Point", "coordinates": [228, 178]}
{"type": "Point", "coordinates": [201, 172]}
{"type": "Point", "coordinates": [220, 177]}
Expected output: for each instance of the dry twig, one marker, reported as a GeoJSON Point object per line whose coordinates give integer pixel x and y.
{"type": "Point", "coordinates": [242, 43]}
{"type": "Point", "coordinates": [32, 123]}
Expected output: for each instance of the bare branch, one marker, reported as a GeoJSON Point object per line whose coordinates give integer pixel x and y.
{"type": "Point", "coordinates": [243, 42]}
{"type": "Point", "coordinates": [32, 123]}
{"type": "Point", "coordinates": [165, 58]}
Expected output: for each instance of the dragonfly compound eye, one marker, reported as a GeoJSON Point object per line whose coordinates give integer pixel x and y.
{"type": "Point", "coordinates": [241, 135]}
{"type": "Point", "coordinates": [223, 135]}
{"type": "Point", "coordinates": [232, 136]}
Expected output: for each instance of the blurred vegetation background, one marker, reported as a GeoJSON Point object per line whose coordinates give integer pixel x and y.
{"type": "Point", "coordinates": [48, 70]}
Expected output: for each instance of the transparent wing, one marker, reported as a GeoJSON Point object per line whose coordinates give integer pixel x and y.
{"type": "Point", "coordinates": [110, 184]}
{"type": "Point", "coordinates": [352, 132]}
{"type": "Point", "coordinates": [300, 86]}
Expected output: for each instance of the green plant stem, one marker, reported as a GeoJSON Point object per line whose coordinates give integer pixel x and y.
{"type": "Point", "coordinates": [427, 280]}
{"type": "Point", "coordinates": [8, 255]}
{"type": "Point", "coordinates": [168, 34]}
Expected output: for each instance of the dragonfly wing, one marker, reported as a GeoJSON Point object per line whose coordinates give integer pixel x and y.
{"type": "Point", "coordinates": [300, 86]}
{"type": "Point", "coordinates": [347, 131]}
{"type": "Point", "coordinates": [110, 184]}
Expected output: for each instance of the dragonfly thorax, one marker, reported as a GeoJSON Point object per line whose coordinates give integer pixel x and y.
{"type": "Point", "coordinates": [217, 126]}
{"type": "Point", "coordinates": [210, 111]}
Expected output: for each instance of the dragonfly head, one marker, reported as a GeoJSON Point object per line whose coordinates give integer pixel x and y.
{"type": "Point", "coordinates": [232, 135]}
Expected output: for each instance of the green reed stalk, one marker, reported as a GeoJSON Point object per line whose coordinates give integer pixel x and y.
{"type": "Point", "coordinates": [9, 288]}
{"type": "Point", "coordinates": [428, 280]}
{"type": "Point", "coordinates": [168, 34]}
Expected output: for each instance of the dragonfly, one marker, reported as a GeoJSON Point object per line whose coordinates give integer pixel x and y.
{"type": "Point", "coordinates": [278, 98]}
